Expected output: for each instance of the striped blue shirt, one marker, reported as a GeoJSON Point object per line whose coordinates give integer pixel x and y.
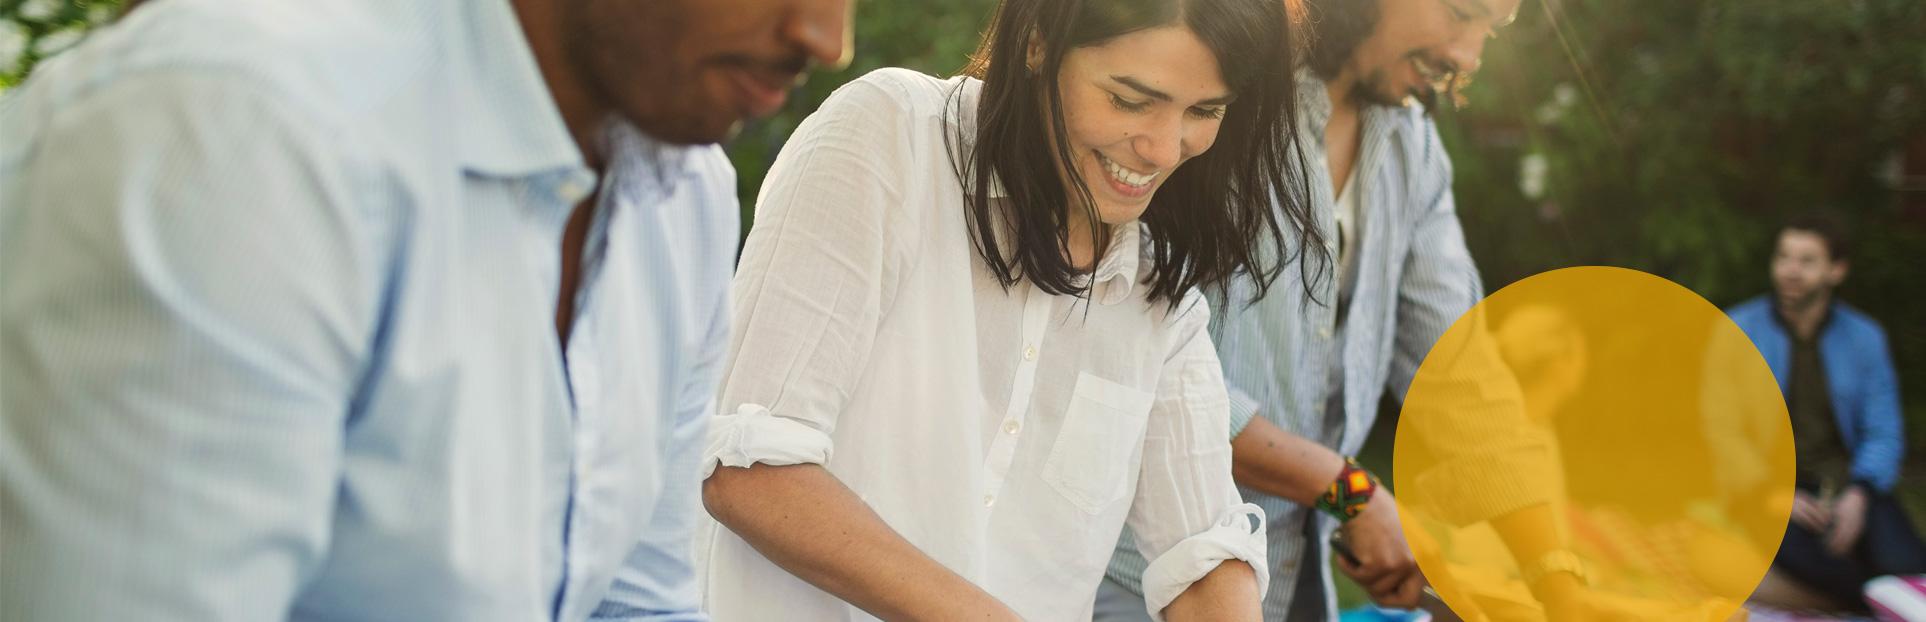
{"type": "Point", "coordinates": [279, 328]}
{"type": "Point", "coordinates": [1294, 362]}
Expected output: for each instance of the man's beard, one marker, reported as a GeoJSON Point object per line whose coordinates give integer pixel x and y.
{"type": "Point", "coordinates": [1801, 302]}
{"type": "Point", "coordinates": [1430, 95]}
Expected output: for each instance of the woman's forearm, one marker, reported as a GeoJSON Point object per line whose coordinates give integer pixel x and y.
{"type": "Point", "coordinates": [1227, 593]}
{"type": "Point", "coordinates": [806, 521]}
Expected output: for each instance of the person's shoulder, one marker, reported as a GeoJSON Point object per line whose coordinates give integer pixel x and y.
{"type": "Point", "coordinates": [1857, 323]}
{"type": "Point", "coordinates": [904, 94]}
{"type": "Point", "coordinates": [1752, 315]}
{"type": "Point", "coordinates": [319, 58]}
{"type": "Point", "coordinates": [1752, 308]}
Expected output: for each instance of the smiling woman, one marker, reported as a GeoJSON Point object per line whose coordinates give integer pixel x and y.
{"type": "Point", "coordinates": [969, 346]}
{"type": "Point", "coordinates": [1136, 88]}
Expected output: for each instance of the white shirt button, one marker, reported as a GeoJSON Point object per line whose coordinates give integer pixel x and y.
{"type": "Point", "coordinates": [575, 187]}
{"type": "Point", "coordinates": [1012, 426]}
{"type": "Point", "coordinates": [1029, 353]}
{"type": "Point", "coordinates": [1324, 332]}
{"type": "Point", "coordinates": [989, 500]}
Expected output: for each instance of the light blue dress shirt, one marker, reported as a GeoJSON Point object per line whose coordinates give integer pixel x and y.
{"type": "Point", "coordinates": [1300, 365]}
{"type": "Point", "coordinates": [278, 282]}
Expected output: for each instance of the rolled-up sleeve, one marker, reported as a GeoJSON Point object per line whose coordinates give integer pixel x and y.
{"type": "Point", "coordinates": [818, 271]}
{"type": "Point", "coordinates": [1188, 517]}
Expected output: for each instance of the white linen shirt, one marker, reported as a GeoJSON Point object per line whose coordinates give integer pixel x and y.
{"type": "Point", "coordinates": [1009, 434]}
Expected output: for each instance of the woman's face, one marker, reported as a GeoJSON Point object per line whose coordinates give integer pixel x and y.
{"type": "Point", "coordinates": [1135, 108]}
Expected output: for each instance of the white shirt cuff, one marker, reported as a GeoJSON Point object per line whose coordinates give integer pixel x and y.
{"type": "Point", "coordinates": [753, 434]}
{"type": "Point", "coordinates": [1238, 535]}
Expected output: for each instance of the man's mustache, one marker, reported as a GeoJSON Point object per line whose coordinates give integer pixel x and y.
{"type": "Point", "coordinates": [796, 65]}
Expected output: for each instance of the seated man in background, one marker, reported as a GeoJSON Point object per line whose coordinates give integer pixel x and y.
{"type": "Point", "coordinates": [1833, 365]}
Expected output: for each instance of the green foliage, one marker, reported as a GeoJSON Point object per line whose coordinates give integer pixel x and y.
{"type": "Point", "coordinates": [31, 30]}
{"type": "Point", "coordinates": [1676, 136]}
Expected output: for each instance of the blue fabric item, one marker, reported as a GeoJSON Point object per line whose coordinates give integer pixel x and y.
{"type": "Point", "coordinates": [1859, 370]}
{"type": "Point", "coordinates": [1380, 614]}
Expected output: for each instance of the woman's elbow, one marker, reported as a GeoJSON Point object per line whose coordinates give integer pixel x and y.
{"type": "Point", "coordinates": [722, 492]}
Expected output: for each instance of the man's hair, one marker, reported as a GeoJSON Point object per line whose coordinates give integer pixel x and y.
{"type": "Point", "coordinates": [1829, 230]}
{"type": "Point", "coordinates": [1337, 27]}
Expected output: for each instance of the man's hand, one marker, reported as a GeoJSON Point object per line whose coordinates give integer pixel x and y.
{"type": "Point", "coordinates": [1848, 521]}
{"type": "Point", "coordinates": [1386, 567]}
{"type": "Point", "coordinates": [1808, 512]}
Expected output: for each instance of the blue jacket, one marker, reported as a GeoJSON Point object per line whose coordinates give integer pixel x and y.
{"type": "Point", "coordinates": [1859, 371]}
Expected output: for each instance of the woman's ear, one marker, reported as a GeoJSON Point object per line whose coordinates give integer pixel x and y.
{"type": "Point", "coordinates": [1033, 53]}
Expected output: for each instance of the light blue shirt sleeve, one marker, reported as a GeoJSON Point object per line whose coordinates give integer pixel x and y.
{"type": "Point", "coordinates": [171, 418]}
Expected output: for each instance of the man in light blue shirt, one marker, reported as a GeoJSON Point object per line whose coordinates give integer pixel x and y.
{"type": "Point", "coordinates": [1307, 372]}
{"type": "Point", "coordinates": [367, 310]}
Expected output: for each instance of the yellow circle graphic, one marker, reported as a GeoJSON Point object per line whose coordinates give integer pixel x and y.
{"type": "Point", "coordinates": [1594, 444]}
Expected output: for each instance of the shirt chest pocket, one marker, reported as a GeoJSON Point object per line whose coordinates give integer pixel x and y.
{"type": "Point", "coordinates": [1103, 427]}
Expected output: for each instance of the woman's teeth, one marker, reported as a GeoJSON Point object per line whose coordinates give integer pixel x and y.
{"type": "Point", "coordinates": [1128, 177]}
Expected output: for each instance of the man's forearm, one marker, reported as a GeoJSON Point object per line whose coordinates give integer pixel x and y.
{"type": "Point", "coordinates": [1269, 459]}
{"type": "Point", "coordinates": [806, 521]}
{"type": "Point", "coordinates": [1228, 593]}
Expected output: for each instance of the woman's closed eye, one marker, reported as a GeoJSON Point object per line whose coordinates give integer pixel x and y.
{"type": "Point", "coordinates": [1207, 112]}
{"type": "Point", "coordinates": [1127, 105]}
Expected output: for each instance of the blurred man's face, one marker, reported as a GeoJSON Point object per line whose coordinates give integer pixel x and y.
{"type": "Point", "coordinates": [690, 71]}
{"type": "Point", "coordinates": [1803, 269]}
{"type": "Point", "coordinates": [1419, 45]}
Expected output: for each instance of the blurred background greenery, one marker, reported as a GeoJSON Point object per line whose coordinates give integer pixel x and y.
{"type": "Point", "coordinates": [1666, 136]}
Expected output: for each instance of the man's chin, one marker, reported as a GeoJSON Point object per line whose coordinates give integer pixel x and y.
{"type": "Point", "coordinates": [703, 132]}
{"type": "Point", "coordinates": [1377, 94]}
{"type": "Point", "coordinates": [1796, 301]}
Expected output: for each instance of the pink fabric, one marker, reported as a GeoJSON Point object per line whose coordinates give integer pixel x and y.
{"type": "Point", "coordinates": [1898, 599]}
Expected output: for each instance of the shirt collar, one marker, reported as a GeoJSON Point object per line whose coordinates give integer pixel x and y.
{"type": "Point", "coordinates": [1314, 102]}
{"type": "Point", "coordinates": [643, 169]}
{"type": "Point", "coordinates": [1116, 274]}
{"type": "Point", "coordinates": [1314, 108]}
{"type": "Point", "coordinates": [1779, 317]}
{"type": "Point", "coordinates": [508, 124]}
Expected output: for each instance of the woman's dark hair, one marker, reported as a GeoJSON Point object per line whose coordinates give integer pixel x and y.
{"type": "Point", "coordinates": [1213, 216]}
